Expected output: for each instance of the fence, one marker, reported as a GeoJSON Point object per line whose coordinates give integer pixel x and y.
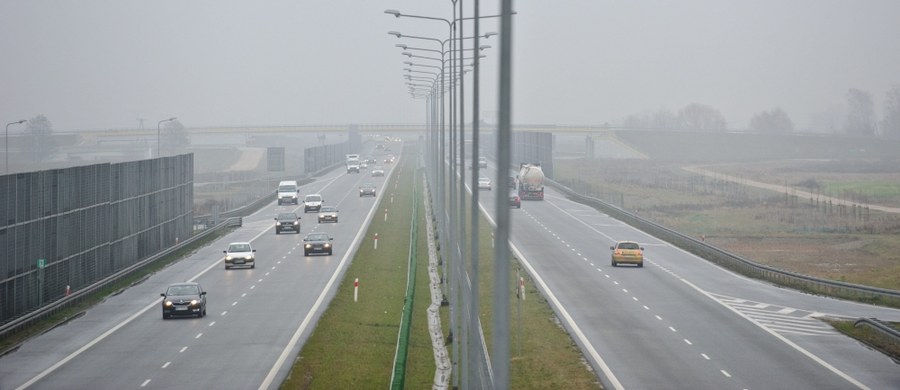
{"type": "Point", "coordinates": [68, 228]}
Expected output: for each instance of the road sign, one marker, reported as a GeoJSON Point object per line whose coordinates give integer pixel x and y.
{"type": "Point", "coordinates": [41, 263]}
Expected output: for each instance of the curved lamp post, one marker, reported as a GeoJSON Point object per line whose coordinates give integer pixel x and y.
{"type": "Point", "coordinates": [158, 150]}
{"type": "Point", "coordinates": [6, 142]}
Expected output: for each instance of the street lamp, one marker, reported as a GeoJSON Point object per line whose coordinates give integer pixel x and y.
{"type": "Point", "coordinates": [7, 141]}
{"type": "Point", "coordinates": [158, 150]}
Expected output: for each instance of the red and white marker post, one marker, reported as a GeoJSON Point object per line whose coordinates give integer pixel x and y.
{"type": "Point", "coordinates": [355, 289]}
{"type": "Point", "coordinates": [376, 240]}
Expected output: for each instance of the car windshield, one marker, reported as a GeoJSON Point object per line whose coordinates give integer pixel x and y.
{"type": "Point", "coordinates": [327, 210]}
{"type": "Point", "coordinates": [183, 290]}
{"type": "Point", "coordinates": [368, 185]}
{"type": "Point", "coordinates": [239, 248]}
{"type": "Point", "coordinates": [317, 237]}
{"type": "Point", "coordinates": [313, 198]}
{"type": "Point", "coordinates": [629, 245]}
{"type": "Point", "coordinates": [286, 188]}
{"type": "Point", "coordinates": [287, 216]}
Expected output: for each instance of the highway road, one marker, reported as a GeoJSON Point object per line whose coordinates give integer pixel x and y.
{"type": "Point", "coordinates": [257, 318]}
{"type": "Point", "coordinates": [681, 322]}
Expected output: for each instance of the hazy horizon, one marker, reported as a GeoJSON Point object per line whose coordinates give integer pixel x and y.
{"type": "Point", "coordinates": [98, 65]}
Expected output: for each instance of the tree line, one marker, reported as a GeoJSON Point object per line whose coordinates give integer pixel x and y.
{"type": "Point", "coordinates": [860, 118]}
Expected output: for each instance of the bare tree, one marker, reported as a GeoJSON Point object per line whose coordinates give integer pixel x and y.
{"type": "Point", "coordinates": [176, 139]}
{"type": "Point", "coordinates": [860, 113]}
{"type": "Point", "coordinates": [775, 121]}
{"type": "Point", "coordinates": [890, 125]}
{"type": "Point", "coordinates": [696, 116]}
{"type": "Point", "coordinates": [42, 143]}
{"type": "Point", "coordinates": [658, 120]}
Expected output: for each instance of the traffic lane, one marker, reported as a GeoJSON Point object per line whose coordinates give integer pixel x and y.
{"type": "Point", "coordinates": [636, 300]}
{"type": "Point", "coordinates": [173, 273]}
{"type": "Point", "coordinates": [639, 349]}
{"type": "Point", "coordinates": [785, 313]}
{"type": "Point", "coordinates": [713, 278]}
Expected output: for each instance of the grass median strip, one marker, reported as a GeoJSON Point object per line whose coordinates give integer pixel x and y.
{"type": "Point", "coordinates": [353, 344]}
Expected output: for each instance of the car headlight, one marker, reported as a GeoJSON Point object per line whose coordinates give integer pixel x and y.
{"type": "Point", "coordinates": [168, 303]}
{"type": "Point", "coordinates": [248, 258]}
{"type": "Point", "coordinates": [328, 245]}
{"type": "Point", "coordinates": [294, 196]}
{"type": "Point", "coordinates": [228, 257]}
{"type": "Point", "coordinates": [296, 222]}
{"type": "Point", "coordinates": [308, 246]}
{"type": "Point", "coordinates": [277, 223]}
{"type": "Point", "coordinates": [193, 302]}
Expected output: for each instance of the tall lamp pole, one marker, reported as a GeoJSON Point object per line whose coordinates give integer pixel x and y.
{"type": "Point", "coordinates": [6, 141]}
{"type": "Point", "coordinates": [158, 150]}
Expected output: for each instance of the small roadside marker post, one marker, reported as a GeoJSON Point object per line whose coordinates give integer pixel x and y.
{"type": "Point", "coordinates": [385, 215]}
{"type": "Point", "coordinates": [356, 290]}
{"type": "Point", "coordinates": [376, 240]}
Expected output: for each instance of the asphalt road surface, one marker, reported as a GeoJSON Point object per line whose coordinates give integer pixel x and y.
{"type": "Point", "coordinates": [257, 318]}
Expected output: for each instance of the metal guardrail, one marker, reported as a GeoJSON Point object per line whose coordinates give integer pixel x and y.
{"type": "Point", "coordinates": [78, 296]}
{"type": "Point", "coordinates": [874, 323]}
{"type": "Point", "coordinates": [873, 295]}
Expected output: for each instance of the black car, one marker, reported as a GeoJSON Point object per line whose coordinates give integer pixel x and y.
{"type": "Point", "coordinates": [183, 299]}
{"type": "Point", "coordinates": [317, 243]}
{"type": "Point", "coordinates": [367, 189]}
{"type": "Point", "coordinates": [287, 221]}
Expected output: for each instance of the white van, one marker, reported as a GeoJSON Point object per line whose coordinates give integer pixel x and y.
{"type": "Point", "coordinates": [288, 192]}
{"type": "Point", "coordinates": [313, 202]}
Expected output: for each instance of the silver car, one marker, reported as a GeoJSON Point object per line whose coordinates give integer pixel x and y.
{"type": "Point", "coordinates": [240, 254]}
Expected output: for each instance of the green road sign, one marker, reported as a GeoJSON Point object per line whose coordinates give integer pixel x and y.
{"type": "Point", "coordinates": [42, 263]}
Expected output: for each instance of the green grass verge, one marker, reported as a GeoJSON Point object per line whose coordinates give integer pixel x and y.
{"type": "Point", "coordinates": [869, 336]}
{"type": "Point", "coordinates": [354, 343]}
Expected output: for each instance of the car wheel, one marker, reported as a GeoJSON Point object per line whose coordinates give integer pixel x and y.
{"type": "Point", "coordinates": [277, 232]}
{"type": "Point", "coordinates": [519, 206]}
{"type": "Point", "coordinates": [335, 220]}
{"type": "Point", "coordinates": [641, 265]}
{"type": "Point", "coordinates": [330, 252]}
{"type": "Point", "coordinates": [252, 266]}
{"type": "Point", "coordinates": [166, 316]}
{"type": "Point", "coordinates": [614, 263]}
{"type": "Point", "coordinates": [227, 267]}
{"type": "Point", "coordinates": [305, 253]}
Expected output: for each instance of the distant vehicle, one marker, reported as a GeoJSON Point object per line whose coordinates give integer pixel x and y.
{"type": "Point", "coordinates": [531, 182]}
{"type": "Point", "coordinates": [363, 165]}
{"type": "Point", "coordinates": [482, 162]}
{"type": "Point", "coordinates": [288, 192]}
{"type": "Point", "coordinates": [367, 189]}
{"type": "Point", "coordinates": [328, 214]}
{"type": "Point", "coordinates": [240, 254]}
{"type": "Point", "coordinates": [484, 183]}
{"type": "Point", "coordinates": [370, 160]}
{"type": "Point", "coordinates": [287, 221]}
{"type": "Point", "coordinates": [182, 299]}
{"type": "Point", "coordinates": [377, 171]}
{"type": "Point", "coordinates": [514, 200]}
{"type": "Point", "coordinates": [389, 159]}
{"type": "Point", "coordinates": [317, 242]}
{"type": "Point", "coordinates": [379, 147]}
{"type": "Point", "coordinates": [627, 252]}
{"type": "Point", "coordinates": [312, 202]}
{"type": "Point", "coordinates": [352, 163]}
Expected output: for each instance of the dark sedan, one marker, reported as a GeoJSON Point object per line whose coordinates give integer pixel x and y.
{"type": "Point", "coordinates": [317, 243]}
{"type": "Point", "coordinates": [367, 189]}
{"type": "Point", "coordinates": [183, 299]}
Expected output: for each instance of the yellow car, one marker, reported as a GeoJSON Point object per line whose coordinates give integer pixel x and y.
{"type": "Point", "coordinates": [627, 252]}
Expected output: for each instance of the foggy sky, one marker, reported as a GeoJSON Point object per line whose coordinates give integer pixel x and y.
{"type": "Point", "coordinates": [93, 64]}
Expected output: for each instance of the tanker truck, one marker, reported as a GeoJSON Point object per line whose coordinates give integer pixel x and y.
{"type": "Point", "coordinates": [531, 181]}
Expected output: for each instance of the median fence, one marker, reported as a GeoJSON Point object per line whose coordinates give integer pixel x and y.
{"type": "Point", "coordinates": [873, 295]}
